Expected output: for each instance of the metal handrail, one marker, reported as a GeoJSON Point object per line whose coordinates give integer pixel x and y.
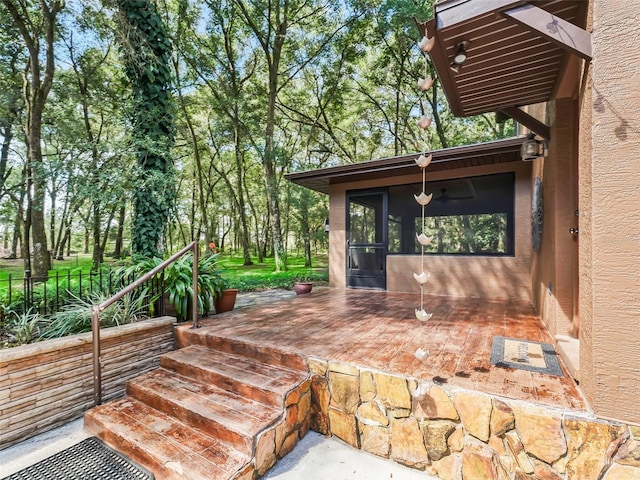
{"type": "Point", "coordinates": [96, 309]}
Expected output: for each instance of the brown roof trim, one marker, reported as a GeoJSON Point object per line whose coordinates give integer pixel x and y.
{"type": "Point", "coordinates": [518, 52]}
{"type": "Point", "coordinates": [497, 151]}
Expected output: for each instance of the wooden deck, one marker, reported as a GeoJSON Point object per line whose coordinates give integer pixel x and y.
{"type": "Point", "coordinates": [378, 330]}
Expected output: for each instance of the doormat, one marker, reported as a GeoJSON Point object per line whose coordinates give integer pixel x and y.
{"type": "Point", "coordinates": [525, 355]}
{"type": "Point", "coordinates": [89, 459]}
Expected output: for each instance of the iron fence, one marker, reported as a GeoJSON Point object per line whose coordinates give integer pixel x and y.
{"type": "Point", "coordinates": [47, 295]}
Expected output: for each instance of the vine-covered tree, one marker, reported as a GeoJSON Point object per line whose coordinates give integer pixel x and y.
{"type": "Point", "coordinates": [146, 50]}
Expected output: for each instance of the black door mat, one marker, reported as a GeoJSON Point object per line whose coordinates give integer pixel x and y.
{"type": "Point", "coordinates": [88, 460]}
{"type": "Point", "coordinates": [525, 355]}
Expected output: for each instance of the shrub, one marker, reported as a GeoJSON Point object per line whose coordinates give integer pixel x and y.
{"type": "Point", "coordinates": [21, 328]}
{"type": "Point", "coordinates": [75, 317]}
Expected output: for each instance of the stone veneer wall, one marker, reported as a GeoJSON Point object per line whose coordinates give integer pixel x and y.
{"type": "Point", "coordinates": [281, 438]}
{"type": "Point", "coordinates": [456, 434]}
{"type": "Point", "coordinates": [46, 384]}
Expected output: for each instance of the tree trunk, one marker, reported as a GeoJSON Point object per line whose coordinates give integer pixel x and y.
{"type": "Point", "coordinates": [146, 48]}
{"type": "Point", "coordinates": [67, 235]}
{"type": "Point", "coordinates": [38, 81]}
{"type": "Point", "coordinates": [26, 244]}
{"type": "Point", "coordinates": [7, 136]}
{"type": "Point", "coordinates": [244, 230]}
{"type": "Point", "coordinates": [271, 182]}
{"type": "Point", "coordinates": [305, 200]}
{"type": "Point", "coordinates": [18, 230]}
{"type": "Point", "coordinates": [272, 43]}
{"type": "Point", "coordinates": [468, 235]}
{"type": "Point", "coordinates": [105, 237]}
{"type": "Point", "coordinates": [198, 180]}
{"type": "Point", "coordinates": [52, 220]}
{"type": "Point", "coordinates": [63, 239]}
{"type": "Point", "coordinates": [117, 251]}
{"type": "Point", "coordinates": [58, 245]}
{"type": "Point", "coordinates": [87, 239]}
{"type": "Point", "coordinates": [13, 113]}
{"type": "Point", "coordinates": [96, 258]}
{"type": "Point", "coordinates": [440, 230]}
{"type": "Point", "coordinates": [41, 263]}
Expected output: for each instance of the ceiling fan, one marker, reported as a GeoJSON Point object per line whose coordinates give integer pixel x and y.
{"type": "Point", "coordinates": [444, 197]}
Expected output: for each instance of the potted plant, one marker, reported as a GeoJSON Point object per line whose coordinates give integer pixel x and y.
{"type": "Point", "coordinates": [302, 287]}
{"type": "Point", "coordinates": [226, 300]}
{"type": "Point", "coordinates": [178, 282]}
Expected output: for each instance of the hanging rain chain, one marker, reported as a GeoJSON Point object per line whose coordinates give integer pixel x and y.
{"type": "Point", "coordinates": [423, 199]}
{"type": "Point", "coordinates": [423, 161]}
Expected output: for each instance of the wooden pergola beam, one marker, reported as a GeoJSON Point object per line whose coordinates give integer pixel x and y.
{"type": "Point", "coordinates": [555, 29]}
{"type": "Point", "coordinates": [528, 121]}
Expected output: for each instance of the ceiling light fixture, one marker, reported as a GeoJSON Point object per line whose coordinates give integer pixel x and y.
{"type": "Point", "coordinates": [460, 56]}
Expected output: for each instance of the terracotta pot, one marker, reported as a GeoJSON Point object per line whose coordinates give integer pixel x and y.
{"type": "Point", "coordinates": [302, 287]}
{"type": "Point", "coordinates": [226, 301]}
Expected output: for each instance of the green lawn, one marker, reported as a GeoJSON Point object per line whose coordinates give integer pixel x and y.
{"type": "Point", "coordinates": [261, 275]}
{"type": "Point", "coordinates": [75, 263]}
{"type": "Point", "coordinates": [253, 277]}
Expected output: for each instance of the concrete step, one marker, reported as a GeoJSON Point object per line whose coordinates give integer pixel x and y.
{"type": "Point", "coordinates": [206, 336]}
{"type": "Point", "coordinates": [170, 448]}
{"type": "Point", "coordinates": [224, 415]}
{"type": "Point", "coordinates": [239, 374]}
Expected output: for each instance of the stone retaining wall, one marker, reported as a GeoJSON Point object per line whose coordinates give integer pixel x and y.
{"type": "Point", "coordinates": [456, 434]}
{"type": "Point", "coordinates": [46, 384]}
{"type": "Point", "coordinates": [281, 438]}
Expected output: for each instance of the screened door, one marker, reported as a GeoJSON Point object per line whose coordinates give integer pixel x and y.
{"type": "Point", "coordinates": [367, 240]}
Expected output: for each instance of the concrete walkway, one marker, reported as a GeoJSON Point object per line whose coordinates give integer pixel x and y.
{"type": "Point", "coordinates": [320, 458]}
{"type": "Point", "coordinates": [315, 458]}
{"type": "Point", "coordinates": [30, 452]}
{"type": "Point", "coordinates": [262, 296]}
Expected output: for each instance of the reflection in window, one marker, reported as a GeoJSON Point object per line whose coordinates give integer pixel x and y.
{"type": "Point", "coordinates": [395, 233]}
{"type": "Point", "coordinates": [471, 234]}
{"type": "Point", "coordinates": [468, 216]}
{"type": "Point", "coordinates": [365, 219]}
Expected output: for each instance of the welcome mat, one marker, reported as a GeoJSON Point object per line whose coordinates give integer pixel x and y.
{"type": "Point", "coordinates": [89, 459]}
{"type": "Point", "coordinates": [525, 355]}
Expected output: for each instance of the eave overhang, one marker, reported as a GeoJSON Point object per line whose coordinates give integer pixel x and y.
{"type": "Point", "coordinates": [498, 151]}
{"type": "Point", "coordinates": [518, 53]}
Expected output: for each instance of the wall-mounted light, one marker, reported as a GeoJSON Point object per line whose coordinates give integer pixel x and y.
{"type": "Point", "coordinates": [460, 56]}
{"type": "Point", "coordinates": [533, 148]}
{"type": "Point", "coordinates": [326, 225]}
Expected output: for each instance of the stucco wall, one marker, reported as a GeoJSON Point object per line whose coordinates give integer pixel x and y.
{"type": "Point", "coordinates": [610, 246]}
{"type": "Point", "coordinates": [555, 265]}
{"type": "Point", "coordinates": [485, 277]}
{"type": "Point", "coordinates": [587, 383]}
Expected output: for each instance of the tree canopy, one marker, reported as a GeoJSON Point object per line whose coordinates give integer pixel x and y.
{"type": "Point", "coordinates": [141, 125]}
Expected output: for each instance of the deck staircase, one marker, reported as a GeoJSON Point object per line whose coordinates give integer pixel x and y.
{"type": "Point", "coordinates": [222, 412]}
